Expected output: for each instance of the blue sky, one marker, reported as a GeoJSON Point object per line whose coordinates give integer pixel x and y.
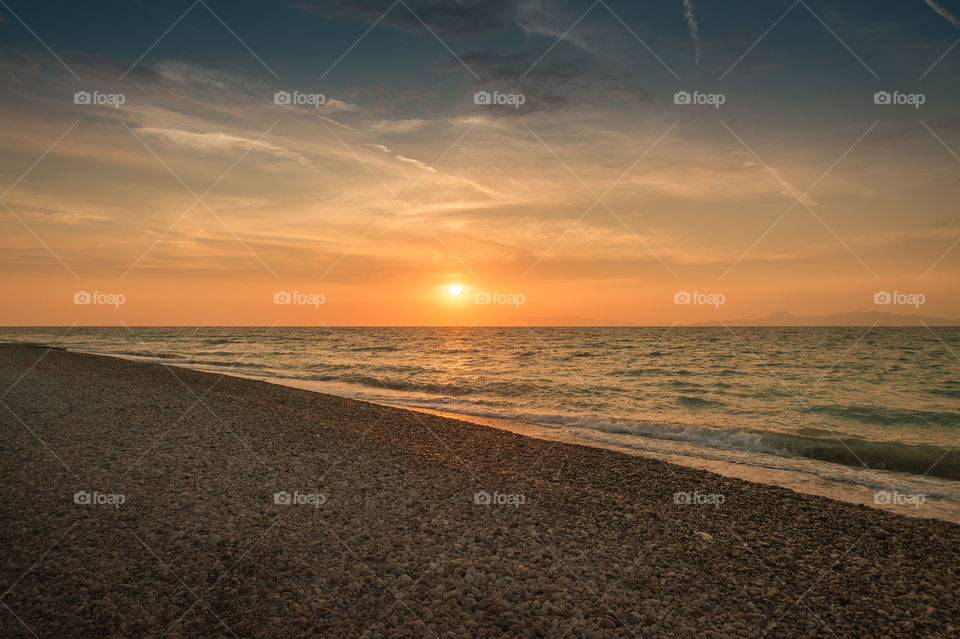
{"type": "Point", "coordinates": [300, 40]}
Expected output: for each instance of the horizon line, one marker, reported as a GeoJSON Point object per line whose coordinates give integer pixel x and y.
{"type": "Point", "coordinates": [713, 324]}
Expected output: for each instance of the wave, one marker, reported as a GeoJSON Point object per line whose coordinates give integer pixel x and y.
{"type": "Point", "coordinates": [687, 385]}
{"type": "Point", "coordinates": [494, 389]}
{"type": "Point", "coordinates": [641, 372]}
{"type": "Point", "coordinates": [497, 389]}
{"type": "Point", "coordinates": [638, 372]}
{"type": "Point", "coordinates": [692, 401]}
{"type": "Point", "coordinates": [227, 364]}
{"type": "Point", "coordinates": [946, 392]}
{"type": "Point", "coordinates": [456, 351]}
{"type": "Point", "coordinates": [918, 459]}
{"type": "Point", "coordinates": [888, 416]}
{"type": "Point", "coordinates": [129, 353]}
{"type": "Point", "coordinates": [826, 472]}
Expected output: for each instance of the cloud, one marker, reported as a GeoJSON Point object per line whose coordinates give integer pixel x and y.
{"type": "Point", "coordinates": [694, 27]}
{"type": "Point", "coordinates": [557, 67]}
{"type": "Point", "coordinates": [398, 126]}
{"type": "Point", "coordinates": [946, 14]}
{"type": "Point", "coordinates": [558, 80]}
{"type": "Point", "coordinates": [222, 142]}
{"type": "Point", "coordinates": [333, 105]}
{"type": "Point", "coordinates": [451, 179]}
{"type": "Point", "coordinates": [535, 99]}
{"type": "Point", "coordinates": [199, 77]}
{"type": "Point", "coordinates": [788, 190]}
{"type": "Point", "coordinates": [335, 123]}
{"type": "Point", "coordinates": [414, 162]}
{"type": "Point", "coordinates": [550, 19]}
{"type": "Point", "coordinates": [464, 18]}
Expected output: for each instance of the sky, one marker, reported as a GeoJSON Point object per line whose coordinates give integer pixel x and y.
{"type": "Point", "coordinates": [477, 162]}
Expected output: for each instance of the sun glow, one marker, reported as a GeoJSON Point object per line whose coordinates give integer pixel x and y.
{"type": "Point", "coordinates": [455, 290]}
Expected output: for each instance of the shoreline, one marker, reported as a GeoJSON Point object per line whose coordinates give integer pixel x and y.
{"type": "Point", "coordinates": [764, 470]}
{"type": "Point", "coordinates": [599, 546]}
{"type": "Point", "coordinates": [807, 483]}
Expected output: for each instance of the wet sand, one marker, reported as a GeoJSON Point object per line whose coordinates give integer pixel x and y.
{"type": "Point", "coordinates": [183, 527]}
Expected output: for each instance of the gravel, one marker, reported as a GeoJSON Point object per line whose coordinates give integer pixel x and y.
{"type": "Point", "coordinates": [404, 524]}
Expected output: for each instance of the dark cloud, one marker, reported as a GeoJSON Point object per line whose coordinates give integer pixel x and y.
{"type": "Point", "coordinates": [555, 80]}
{"type": "Point", "coordinates": [466, 18]}
{"type": "Point", "coordinates": [555, 67]}
{"type": "Point", "coordinates": [90, 67]}
{"type": "Point", "coordinates": [536, 99]}
{"type": "Point", "coordinates": [95, 64]}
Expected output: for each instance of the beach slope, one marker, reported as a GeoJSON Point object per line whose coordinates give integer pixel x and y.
{"type": "Point", "coordinates": [143, 500]}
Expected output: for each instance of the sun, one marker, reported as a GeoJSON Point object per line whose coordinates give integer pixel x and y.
{"type": "Point", "coordinates": [455, 290]}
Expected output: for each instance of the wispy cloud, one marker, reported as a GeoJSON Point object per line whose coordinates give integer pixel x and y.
{"type": "Point", "coordinates": [946, 14]}
{"type": "Point", "coordinates": [222, 141]}
{"type": "Point", "coordinates": [398, 126]}
{"type": "Point", "coordinates": [694, 27]}
{"type": "Point", "coordinates": [414, 162]}
{"type": "Point", "coordinates": [788, 190]}
{"type": "Point", "coordinates": [333, 106]}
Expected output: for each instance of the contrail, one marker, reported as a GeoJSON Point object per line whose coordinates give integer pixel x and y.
{"type": "Point", "coordinates": [936, 7]}
{"type": "Point", "coordinates": [694, 28]}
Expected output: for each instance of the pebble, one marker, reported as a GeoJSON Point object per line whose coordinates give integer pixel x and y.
{"type": "Point", "coordinates": [400, 519]}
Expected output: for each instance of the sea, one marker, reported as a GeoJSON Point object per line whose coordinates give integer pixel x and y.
{"type": "Point", "coordinates": [865, 415]}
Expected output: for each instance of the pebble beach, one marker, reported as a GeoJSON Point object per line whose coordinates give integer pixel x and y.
{"type": "Point", "coordinates": [150, 501]}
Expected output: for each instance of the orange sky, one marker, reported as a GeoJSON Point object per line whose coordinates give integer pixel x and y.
{"type": "Point", "coordinates": [199, 199]}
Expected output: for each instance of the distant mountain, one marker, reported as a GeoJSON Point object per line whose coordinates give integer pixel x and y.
{"type": "Point", "coordinates": [573, 320]}
{"type": "Point", "coordinates": [851, 318]}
